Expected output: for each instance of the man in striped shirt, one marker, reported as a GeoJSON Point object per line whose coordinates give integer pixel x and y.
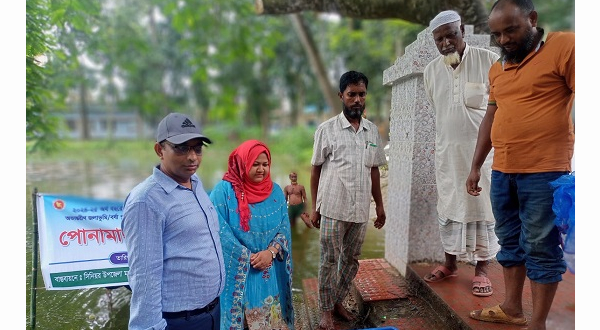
{"type": "Point", "coordinates": [171, 228]}
{"type": "Point", "coordinates": [347, 153]}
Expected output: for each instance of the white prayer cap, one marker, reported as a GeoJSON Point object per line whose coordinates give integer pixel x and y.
{"type": "Point", "coordinates": [445, 17]}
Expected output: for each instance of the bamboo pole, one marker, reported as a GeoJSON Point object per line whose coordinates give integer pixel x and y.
{"type": "Point", "coordinates": [34, 261]}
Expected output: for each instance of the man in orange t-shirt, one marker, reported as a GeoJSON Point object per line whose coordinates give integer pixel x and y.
{"type": "Point", "coordinates": [528, 123]}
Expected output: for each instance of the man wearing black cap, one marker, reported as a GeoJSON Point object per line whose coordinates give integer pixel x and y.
{"type": "Point", "coordinates": [171, 228]}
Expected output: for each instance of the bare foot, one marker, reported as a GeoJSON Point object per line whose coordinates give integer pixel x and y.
{"type": "Point", "coordinates": [306, 218]}
{"type": "Point", "coordinates": [341, 311]}
{"type": "Point", "coordinates": [326, 322]}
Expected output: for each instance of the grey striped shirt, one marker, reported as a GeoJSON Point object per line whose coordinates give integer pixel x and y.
{"type": "Point", "coordinates": [346, 157]}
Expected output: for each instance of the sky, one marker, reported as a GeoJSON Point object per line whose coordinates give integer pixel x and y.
{"type": "Point", "coordinates": [12, 88]}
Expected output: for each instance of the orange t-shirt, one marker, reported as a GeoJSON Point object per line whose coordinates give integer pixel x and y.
{"type": "Point", "coordinates": [532, 130]}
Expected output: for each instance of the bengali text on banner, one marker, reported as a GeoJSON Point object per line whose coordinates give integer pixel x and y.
{"type": "Point", "coordinates": [81, 242]}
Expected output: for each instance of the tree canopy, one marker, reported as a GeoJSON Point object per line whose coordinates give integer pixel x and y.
{"type": "Point", "coordinates": [221, 62]}
{"type": "Point", "coordinates": [419, 12]}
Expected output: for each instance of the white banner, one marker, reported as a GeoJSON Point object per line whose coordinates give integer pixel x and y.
{"type": "Point", "coordinates": [81, 242]}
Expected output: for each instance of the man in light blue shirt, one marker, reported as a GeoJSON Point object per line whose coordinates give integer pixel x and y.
{"type": "Point", "coordinates": [171, 228]}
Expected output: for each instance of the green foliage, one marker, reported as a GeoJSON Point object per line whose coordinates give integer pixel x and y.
{"type": "Point", "coordinates": [41, 126]}
{"type": "Point", "coordinates": [78, 149]}
{"type": "Point", "coordinates": [296, 142]}
{"type": "Point", "coordinates": [553, 15]}
{"type": "Point", "coordinates": [556, 15]}
{"type": "Point", "coordinates": [47, 84]}
{"type": "Point", "coordinates": [292, 146]}
{"type": "Point", "coordinates": [219, 61]}
{"type": "Point", "coordinates": [371, 46]}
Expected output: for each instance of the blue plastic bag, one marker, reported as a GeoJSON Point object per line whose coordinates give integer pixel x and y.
{"type": "Point", "coordinates": [564, 208]}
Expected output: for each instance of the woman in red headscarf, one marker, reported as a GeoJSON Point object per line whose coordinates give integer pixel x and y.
{"type": "Point", "coordinates": [256, 239]}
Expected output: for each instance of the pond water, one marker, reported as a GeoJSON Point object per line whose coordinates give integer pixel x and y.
{"type": "Point", "coordinates": [113, 179]}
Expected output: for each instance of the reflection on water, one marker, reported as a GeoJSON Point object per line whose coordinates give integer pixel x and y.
{"type": "Point", "coordinates": [113, 179]}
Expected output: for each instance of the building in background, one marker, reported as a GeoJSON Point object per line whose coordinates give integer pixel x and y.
{"type": "Point", "coordinates": [121, 125]}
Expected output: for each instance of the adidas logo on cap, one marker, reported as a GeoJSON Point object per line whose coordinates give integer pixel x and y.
{"type": "Point", "coordinates": [187, 123]}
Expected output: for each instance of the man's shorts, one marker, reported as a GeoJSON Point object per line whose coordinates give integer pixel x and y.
{"type": "Point", "coordinates": [294, 211]}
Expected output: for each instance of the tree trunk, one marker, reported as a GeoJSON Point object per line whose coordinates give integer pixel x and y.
{"type": "Point", "coordinates": [84, 111]}
{"type": "Point", "coordinates": [473, 12]}
{"type": "Point", "coordinates": [297, 101]}
{"type": "Point", "coordinates": [316, 63]}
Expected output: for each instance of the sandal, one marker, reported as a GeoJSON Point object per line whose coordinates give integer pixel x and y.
{"type": "Point", "coordinates": [497, 315]}
{"type": "Point", "coordinates": [433, 277]}
{"type": "Point", "coordinates": [478, 284]}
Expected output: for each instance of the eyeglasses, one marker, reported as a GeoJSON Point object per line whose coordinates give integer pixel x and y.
{"type": "Point", "coordinates": [359, 94]}
{"type": "Point", "coordinates": [184, 149]}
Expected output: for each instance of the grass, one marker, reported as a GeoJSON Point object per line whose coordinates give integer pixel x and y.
{"type": "Point", "coordinates": [296, 141]}
{"type": "Point", "coordinates": [291, 150]}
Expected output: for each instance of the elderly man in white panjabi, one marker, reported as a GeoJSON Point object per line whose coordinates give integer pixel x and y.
{"type": "Point", "coordinates": [456, 85]}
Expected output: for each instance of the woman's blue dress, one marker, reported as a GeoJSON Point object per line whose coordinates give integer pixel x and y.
{"type": "Point", "coordinates": [264, 298]}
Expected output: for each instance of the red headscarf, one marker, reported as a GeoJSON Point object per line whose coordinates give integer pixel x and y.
{"type": "Point", "coordinates": [247, 191]}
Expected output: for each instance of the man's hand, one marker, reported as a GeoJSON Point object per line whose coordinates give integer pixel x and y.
{"type": "Point", "coordinates": [306, 218]}
{"type": "Point", "coordinates": [472, 184]}
{"type": "Point", "coordinates": [380, 221]}
{"type": "Point", "coordinates": [316, 219]}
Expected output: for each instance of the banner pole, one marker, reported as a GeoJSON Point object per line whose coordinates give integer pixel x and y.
{"type": "Point", "coordinates": [34, 261]}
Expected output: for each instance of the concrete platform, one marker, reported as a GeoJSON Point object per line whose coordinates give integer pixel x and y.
{"type": "Point", "coordinates": [455, 294]}
{"type": "Point", "coordinates": [382, 298]}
